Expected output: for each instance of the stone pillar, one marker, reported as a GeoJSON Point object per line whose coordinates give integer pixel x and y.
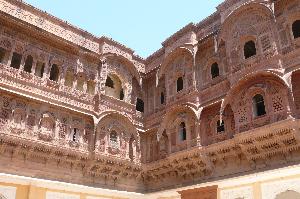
{"type": "Point", "coordinates": [33, 67]}
{"type": "Point", "coordinates": [11, 53]}
{"type": "Point", "coordinates": [47, 68]}
{"type": "Point", "coordinates": [197, 131]}
{"type": "Point", "coordinates": [85, 86]}
{"type": "Point", "coordinates": [188, 135]}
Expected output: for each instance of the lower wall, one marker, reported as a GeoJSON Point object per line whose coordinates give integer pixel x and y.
{"type": "Point", "coordinates": [281, 183]}
{"type": "Point", "coordinates": [19, 187]}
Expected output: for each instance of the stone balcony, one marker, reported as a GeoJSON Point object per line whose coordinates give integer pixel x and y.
{"type": "Point", "coordinates": [33, 142]}
{"type": "Point", "coordinates": [44, 89]}
{"type": "Point", "coordinates": [108, 103]}
{"type": "Point", "coordinates": [256, 148]}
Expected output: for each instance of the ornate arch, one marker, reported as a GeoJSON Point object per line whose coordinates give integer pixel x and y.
{"type": "Point", "coordinates": [268, 74]}
{"type": "Point", "coordinates": [171, 56]}
{"type": "Point", "coordinates": [126, 140]}
{"type": "Point", "coordinates": [243, 10]}
{"type": "Point", "coordinates": [129, 65]}
{"type": "Point", "coordinates": [114, 115]}
{"type": "Point", "coordinates": [172, 114]}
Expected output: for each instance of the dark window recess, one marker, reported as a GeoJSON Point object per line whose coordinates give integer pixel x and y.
{"type": "Point", "coordinates": [122, 94]}
{"type": "Point", "coordinates": [74, 137]}
{"type": "Point", "coordinates": [28, 64]}
{"type": "Point", "coordinates": [162, 98]}
{"type": "Point", "coordinates": [214, 70]}
{"type": "Point", "coordinates": [54, 73]}
{"type": "Point", "coordinates": [179, 84]}
{"type": "Point", "coordinates": [220, 126]}
{"type": "Point", "coordinates": [139, 105]}
{"type": "Point", "coordinates": [109, 82]}
{"type": "Point", "coordinates": [249, 49]}
{"type": "Point", "coordinates": [16, 60]}
{"type": "Point", "coordinates": [259, 105]}
{"type": "Point", "coordinates": [296, 29]}
{"type": "Point", "coordinates": [182, 131]}
{"type": "Point", "coordinates": [2, 54]}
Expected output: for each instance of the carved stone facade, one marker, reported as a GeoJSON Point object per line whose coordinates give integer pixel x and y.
{"type": "Point", "coordinates": [220, 98]}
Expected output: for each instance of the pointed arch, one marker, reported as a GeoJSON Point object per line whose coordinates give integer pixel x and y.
{"type": "Point", "coordinates": [128, 63]}
{"type": "Point", "coordinates": [171, 114]}
{"type": "Point", "coordinates": [242, 10]}
{"type": "Point", "coordinates": [171, 56]}
{"type": "Point", "coordinates": [114, 115]}
{"type": "Point", "coordinates": [266, 74]}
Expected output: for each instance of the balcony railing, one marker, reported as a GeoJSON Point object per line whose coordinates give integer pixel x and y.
{"type": "Point", "coordinates": [45, 88]}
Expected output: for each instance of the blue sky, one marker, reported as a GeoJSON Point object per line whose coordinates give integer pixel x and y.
{"type": "Point", "coordinates": [141, 25]}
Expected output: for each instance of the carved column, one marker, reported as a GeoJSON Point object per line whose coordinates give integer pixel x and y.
{"type": "Point", "coordinates": [188, 135]}
{"type": "Point", "coordinates": [85, 86]}
{"type": "Point", "coordinates": [127, 140]}
{"type": "Point", "coordinates": [46, 72]}
{"type": "Point", "coordinates": [33, 67]}
{"type": "Point", "coordinates": [11, 53]}
{"type": "Point", "coordinates": [197, 131]}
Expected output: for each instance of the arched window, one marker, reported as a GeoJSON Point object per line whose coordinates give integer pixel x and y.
{"type": "Point", "coordinates": [28, 64]}
{"type": "Point", "coordinates": [162, 98]}
{"type": "Point", "coordinates": [39, 69]}
{"type": "Point", "coordinates": [220, 126]}
{"type": "Point", "coordinates": [16, 60]}
{"type": "Point", "coordinates": [74, 136]}
{"type": "Point", "coordinates": [249, 49]}
{"type": "Point", "coordinates": [113, 139]}
{"type": "Point", "coordinates": [114, 87]}
{"type": "Point", "coordinates": [296, 29]}
{"type": "Point", "coordinates": [182, 131]}
{"type": "Point", "coordinates": [179, 84]}
{"type": "Point", "coordinates": [139, 105]}
{"type": "Point", "coordinates": [109, 82]}
{"type": "Point", "coordinates": [258, 105]}
{"type": "Point", "coordinates": [214, 70]}
{"type": "Point", "coordinates": [54, 73]}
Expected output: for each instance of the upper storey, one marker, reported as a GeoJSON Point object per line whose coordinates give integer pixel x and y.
{"type": "Point", "coordinates": [54, 61]}
{"type": "Point", "coordinates": [67, 32]}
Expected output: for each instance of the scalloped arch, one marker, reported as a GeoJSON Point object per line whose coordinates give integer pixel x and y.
{"type": "Point", "coordinates": [130, 66]}
{"type": "Point", "coordinates": [171, 113]}
{"type": "Point", "coordinates": [171, 56]}
{"type": "Point", "coordinates": [242, 10]}
{"type": "Point", "coordinates": [235, 87]}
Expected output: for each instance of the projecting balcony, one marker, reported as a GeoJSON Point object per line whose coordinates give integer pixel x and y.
{"type": "Point", "coordinates": [32, 141]}
{"type": "Point", "coordinates": [44, 89]}
{"type": "Point", "coordinates": [254, 146]}
{"type": "Point", "coordinates": [109, 103]}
